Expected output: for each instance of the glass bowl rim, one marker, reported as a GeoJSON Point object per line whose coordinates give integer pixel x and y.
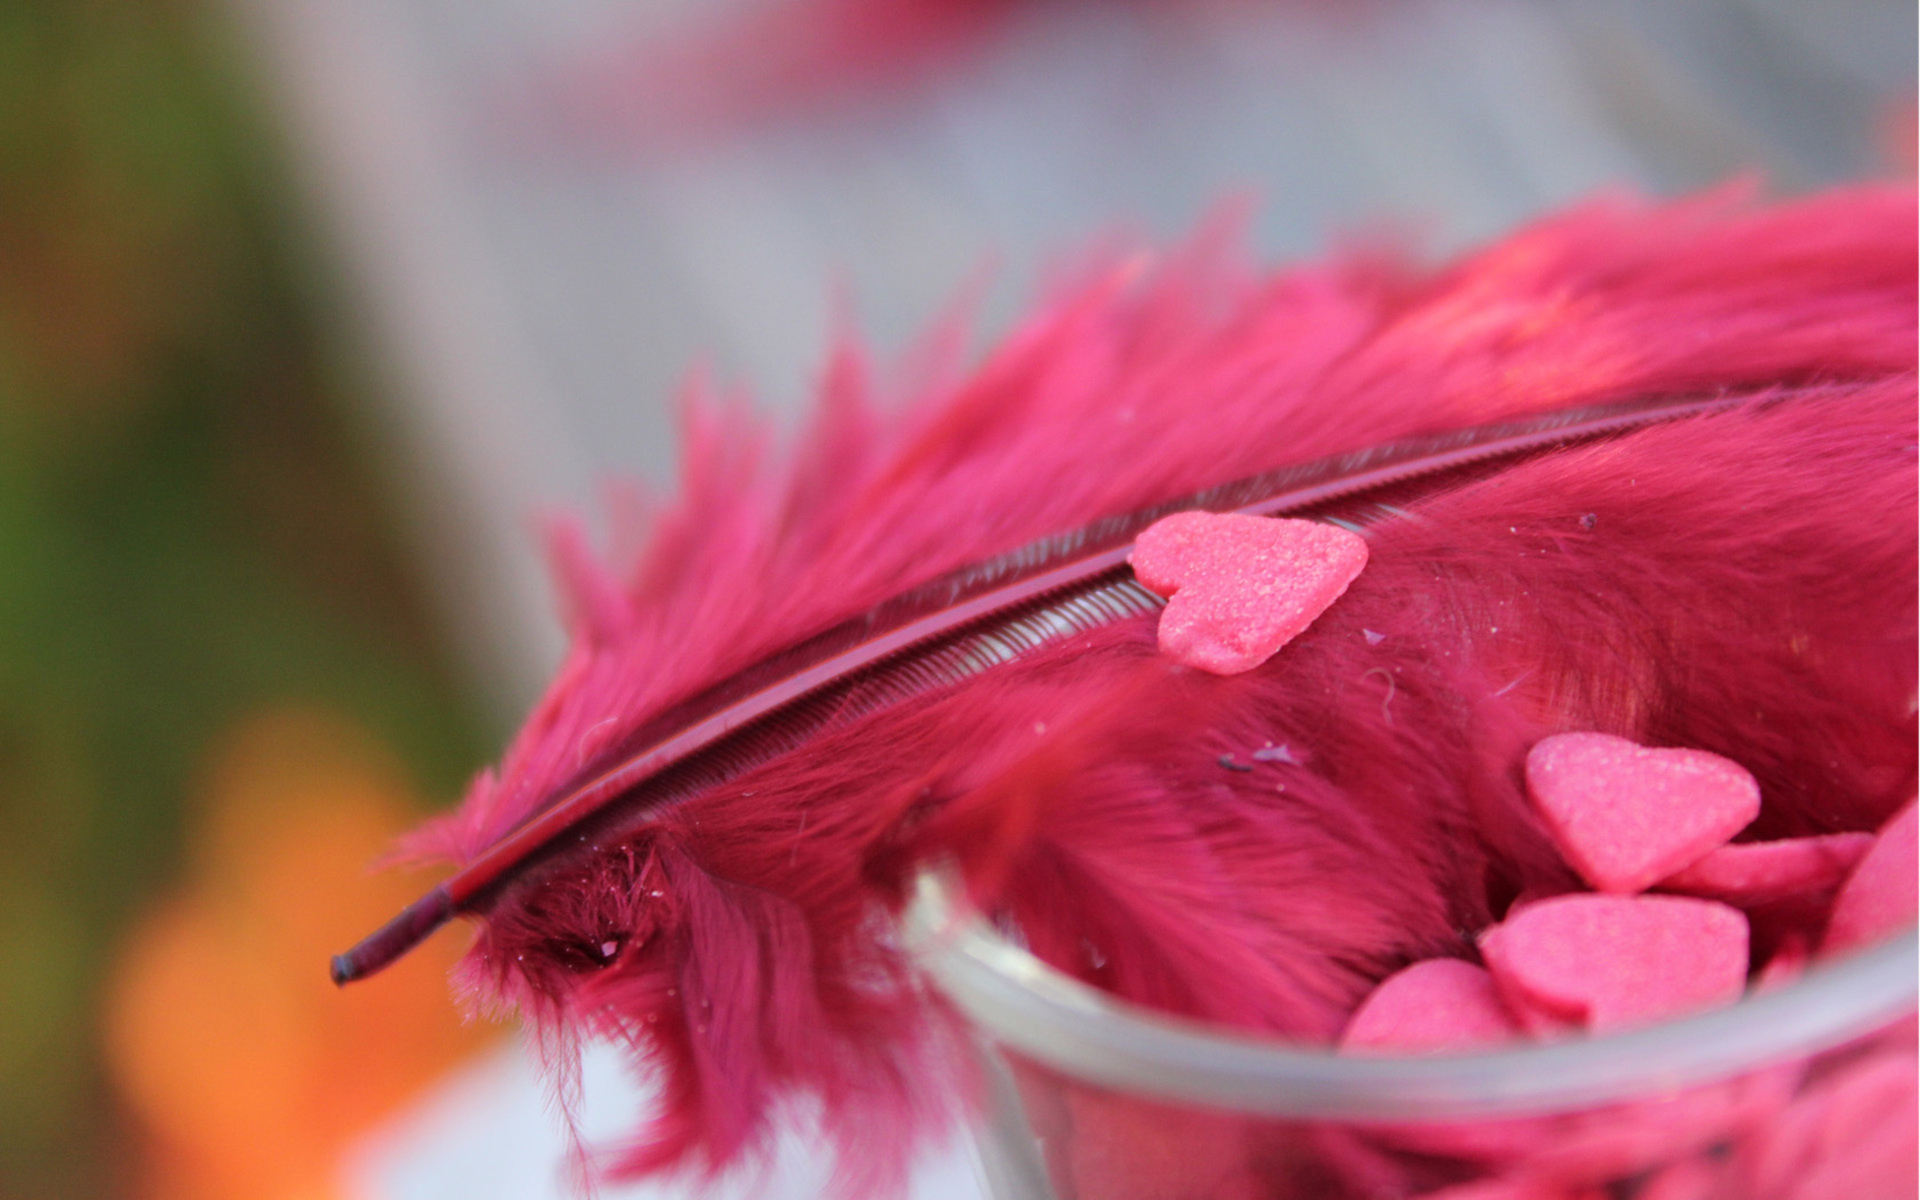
{"type": "Point", "coordinates": [1048, 1016]}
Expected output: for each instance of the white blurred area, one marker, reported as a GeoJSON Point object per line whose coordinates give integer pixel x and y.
{"type": "Point", "coordinates": [536, 303]}
{"type": "Point", "coordinates": [489, 1131]}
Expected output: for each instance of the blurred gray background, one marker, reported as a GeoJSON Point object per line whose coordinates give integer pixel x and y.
{"type": "Point", "coordinates": [538, 297]}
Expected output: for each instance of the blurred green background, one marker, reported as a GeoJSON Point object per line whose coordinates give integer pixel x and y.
{"type": "Point", "coordinates": [189, 528]}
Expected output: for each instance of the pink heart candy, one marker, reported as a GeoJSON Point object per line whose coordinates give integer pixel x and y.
{"type": "Point", "coordinates": [1612, 962]}
{"type": "Point", "coordinates": [1520, 1188]}
{"type": "Point", "coordinates": [1789, 963]}
{"type": "Point", "coordinates": [1627, 816]}
{"type": "Point", "coordinates": [1241, 587]}
{"type": "Point", "coordinates": [1437, 1005]}
{"type": "Point", "coordinates": [1849, 1135]}
{"type": "Point", "coordinates": [1688, 1179]}
{"type": "Point", "coordinates": [1621, 1141]}
{"type": "Point", "coordinates": [1541, 1021]}
{"type": "Point", "coordinates": [1878, 899]}
{"type": "Point", "coordinates": [1752, 873]}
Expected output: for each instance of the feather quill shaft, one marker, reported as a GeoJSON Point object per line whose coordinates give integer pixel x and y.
{"type": "Point", "coordinates": [925, 617]}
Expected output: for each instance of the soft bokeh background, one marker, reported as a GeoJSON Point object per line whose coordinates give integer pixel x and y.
{"type": "Point", "coordinates": [308, 306]}
{"type": "Point", "coordinates": [204, 620]}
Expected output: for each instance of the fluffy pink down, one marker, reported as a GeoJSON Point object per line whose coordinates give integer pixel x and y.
{"type": "Point", "coordinates": [1742, 584]}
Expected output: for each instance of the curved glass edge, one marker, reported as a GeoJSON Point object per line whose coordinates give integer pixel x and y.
{"type": "Point", "coordinates": [1048, 1016]}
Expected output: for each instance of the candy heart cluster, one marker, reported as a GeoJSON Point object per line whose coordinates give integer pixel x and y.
{"type": "Point", "coordinates": [1628, 819]}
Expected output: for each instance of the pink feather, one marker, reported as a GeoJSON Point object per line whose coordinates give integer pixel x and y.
{"type": "Point", "coordinates": [1742, 582]}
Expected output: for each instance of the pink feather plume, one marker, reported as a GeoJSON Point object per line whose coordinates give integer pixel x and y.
{"type": "Point", "coordinates": [1742, 582]}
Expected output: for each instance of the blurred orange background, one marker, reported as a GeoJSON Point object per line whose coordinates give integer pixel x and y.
{"type": "Point", "coordinates": [249, 1072]}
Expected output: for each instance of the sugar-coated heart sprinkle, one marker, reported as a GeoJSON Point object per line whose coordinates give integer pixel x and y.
{"type": "Point", "coordinates": [1546, 1022]}
{"type": "Point", "coordinates": [1878, 900]}
{"type": "Point", "coordinates": [1437, 1005]}
{"type": "Point", "coordinates": [1688, 1179]}
{"type": "Point", "coordinates": [1614, 962]}
{"type": "Point", "coordinates": [1241, 587]}
{"type": "Point", "coordinates": [1619, 1141]}
{"type": "Point", "coordinates": [1627, 816]}
{"type": "Point", "coordinates": [1848, 1136]}
{"type": "Point", "coordinates": [1789, 962]}
{"type": "Point", "coordinates": [1624, 1140]}
{"type": "Point", "coordinates": [1751, 873]}
{"type": "Point", "coordinates": [1517, 1188]}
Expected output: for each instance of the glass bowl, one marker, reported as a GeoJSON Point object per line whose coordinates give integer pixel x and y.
{"type": "Point", "coordinates": [1093, 1098]}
